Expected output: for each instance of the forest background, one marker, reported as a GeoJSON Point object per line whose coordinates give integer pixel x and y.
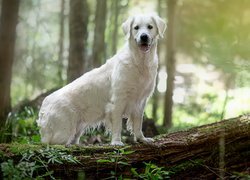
{"type": "Point", "coordinates": [204, 67]}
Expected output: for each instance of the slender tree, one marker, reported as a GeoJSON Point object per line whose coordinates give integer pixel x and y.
{"type": "Point", "coordinates": [8, 22]}
{"type": "Point", "coordinates": [98, 54]}
{"type": "Point", "coordinates": [155, 97]}
{"type": "Point", "coordinates": [115, 25]}
{"type": "Point", "coordinates": [170, 63]}
{"type": "Point", "coordinates": [61, 42]}
{"type": "Point", "coordinates": [78, 21]}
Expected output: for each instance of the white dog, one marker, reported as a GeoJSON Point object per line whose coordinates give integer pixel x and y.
{"type": "Point", "coordinates": [119, 88]}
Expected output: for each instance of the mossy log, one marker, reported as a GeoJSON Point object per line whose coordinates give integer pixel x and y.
{"type": "Point", "coordinates": [211, 151]}
{"type": "Point", "coordinates": [33, 103]}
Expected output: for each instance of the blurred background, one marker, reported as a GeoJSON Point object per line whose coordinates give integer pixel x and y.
{"type": "Point", "coordinates": [204, 58]}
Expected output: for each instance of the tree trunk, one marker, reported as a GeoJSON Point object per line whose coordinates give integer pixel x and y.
{"type": "Point", "coordinates": [78, 21]}
{"type": "Point", "coordinates": [228, 79]}
{"type": "Point", "coordinates": [115, 25]}
{"type": "Point", "coordinates": [195, 153]}
{"type": "Point", "coordinates": [33, 103]}
{"type": "Point", "coordinates": [98, 54]}
{"type": "Point", "coordinates": [155, 97]}
{"type": "Point", "coordinates": [61, 42]}
{"type": "Point", "coordinates": [8, 22]}
{"type": "Point", "coordinates": [170, 63]}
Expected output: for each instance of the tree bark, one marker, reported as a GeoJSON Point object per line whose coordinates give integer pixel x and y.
{"type": "Point", "coordinates": [187, 154]}
{"type": "Point", "coordinates": [170, 63]}
{"type": "Point", "coordinates": [78, 21]}
{"type": "Point", "coordinates": [33, 103]}
{"type": "Point", "coordinates": [98, 54]}
{"type": "Point", "coordinates": [155, 97]}
{"type": "Point", "coordinates": [61, 42]}
{"type": "Point", "coordinates": [8, 22]}
{"type": "Point", "coordinates": [115, 25]}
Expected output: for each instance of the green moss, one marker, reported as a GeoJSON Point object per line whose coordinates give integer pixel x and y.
{"type": "Point", "coordinates": [80, 151]}
{"type": "Point", "coordinates": [160, 136]}
{"type": "Point", "coordinates": [16, 148]}
{"type": "Point", "coordinates": [187, 165]}
{"type": "Point", "coordinates": [89, 150]}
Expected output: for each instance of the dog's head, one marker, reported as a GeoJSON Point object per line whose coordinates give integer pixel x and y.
{"type": "Point", "coordinates": [144, 30]}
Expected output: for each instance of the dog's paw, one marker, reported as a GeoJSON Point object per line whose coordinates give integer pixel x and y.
{"type": "Point", "coordinates": [147, 140]}
{"type": "Point", "coordinates": [117, 143]}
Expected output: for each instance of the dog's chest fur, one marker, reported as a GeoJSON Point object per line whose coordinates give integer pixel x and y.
{"type": "Point", "coordinates": [145, 82]}
{"type": "Point", "coordinates": [138, 80]}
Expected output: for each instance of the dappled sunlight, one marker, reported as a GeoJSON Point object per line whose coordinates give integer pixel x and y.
{"type": "Point", "coordinates": [239, 102]}
{"type": "Point", "coordinates": [162, 81]}
{"type": "Point", "coordinates": [179, 95]}
{"type": "Point", "coordinates": [200, 86]}
{"type": "Point", "coordinates": [209, 45]}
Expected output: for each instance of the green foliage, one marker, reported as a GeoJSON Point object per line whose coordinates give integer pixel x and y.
{"type": "Point", "coordinates": [24, 127]}
{"type": "Point", "coordinates": [216, 30]}
{"type": "Point", "coordinates": [33, 162]}
{"type": "Point", "coordinates": [23, 170]}
{"type": "Point", "coordinates": [239, 175]}
{"type": "Point", "coordinates": [198, 109]}
{"type": "Point", "coordinates": [117, 158]}
{"type": "Point", "coordinates": [49, 155]}
{"type": "Point", "coordinates": [152, 172]}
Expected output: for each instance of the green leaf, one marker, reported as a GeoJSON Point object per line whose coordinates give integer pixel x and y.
{"type": "Point", "coordinates": [123, 163]}
{"type": "Point", "coordinates": [127, 152]}
{"type": "Point", "coordinates": [49, 173]}
{"type": "Point", "coordinates": [112, 173]}
{"type": "Point", "coordinates": [134, 172]}
{"type": "Point", "coordinates": [103, 161]}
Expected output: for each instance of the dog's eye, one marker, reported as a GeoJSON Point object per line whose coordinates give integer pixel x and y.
{"type": "Point", "coordinates": [150, 27]}
{"type": "Point", "coordinates": [136, 27]}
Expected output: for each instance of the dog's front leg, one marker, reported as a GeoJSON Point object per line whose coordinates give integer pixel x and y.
{"type": "Point", "coordinates": [137, 119]}
{"type": "Point", "coordinates": [116, 119]}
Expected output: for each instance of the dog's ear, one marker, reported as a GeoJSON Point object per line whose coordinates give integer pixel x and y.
{"type": "Point", "coordinates": [161, 25]}
{"type": "Point", "coordinates": [126, 27]}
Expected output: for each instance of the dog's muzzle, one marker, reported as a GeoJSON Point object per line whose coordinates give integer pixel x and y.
{"type": "Point", "coordinates": [144, 43]}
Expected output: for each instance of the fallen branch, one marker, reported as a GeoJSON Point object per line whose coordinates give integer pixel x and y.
{"type": "Point", "coordinates": [186, 154]}
{"type": "Point", "coordinates": [34, 103]}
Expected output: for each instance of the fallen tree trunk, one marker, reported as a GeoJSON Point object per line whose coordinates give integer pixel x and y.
{"type": "Point", "coordinates": [218, 150]}
{"type": "Point", "coordinates": [34, 103]}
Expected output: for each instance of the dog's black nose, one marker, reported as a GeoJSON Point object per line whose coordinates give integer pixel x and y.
{"type": "Point", "coordinates": [144, 37]}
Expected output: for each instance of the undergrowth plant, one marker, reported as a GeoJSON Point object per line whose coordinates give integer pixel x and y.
{"type": "Point", "coordinates": [117, 158]}
{"type": "Point", "coordinates": [151, 172]}
{"type": "Point", "coordinates": [33, 162]}
{"type": "Point", "coordinates": [21, 126]}
{"type": "Point", "coordinates": [22, 170]}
